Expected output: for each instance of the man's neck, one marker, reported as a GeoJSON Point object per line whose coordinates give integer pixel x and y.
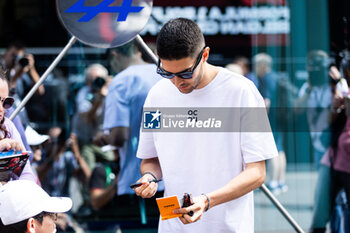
{"type": "Point", "coordinates": [137, 61]}
{"type": "Point", "coordinates": [209, 74]}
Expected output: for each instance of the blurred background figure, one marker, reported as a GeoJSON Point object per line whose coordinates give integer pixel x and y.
{"type": "Point", "coordinates": [341, 174]}
{"type": "Point", "coordinates": [322, 97]}
{"type": "Point", "coordinates": [35, 142]}
{"type": "Point", "coordinates": [316, 96]}
{"type": "Point", "coordinates": [110, 185]}
{"type": "Point", "coordinates": [96, 76]}
{"type": "Point", "coordinates": [338, 157]}
{"type": "Point", "coordinates": [87, 121]}
{"type": "Point", "coordinates": [59, 164]}
{"type": "Point", "coordinates": [21, 74]}
{"type": "Point", "coordinates": [21, 66]}
{"type": "Point", "coordinates": [244, 63]}
{"type": "Point", "coordinates": [7, 128]}
{"type": "Point", "coordinates": [266, 80]}
{"type": "Point", "coordinates": [234, 68]}
{"type": "Point", "coordinates": [145, 56]}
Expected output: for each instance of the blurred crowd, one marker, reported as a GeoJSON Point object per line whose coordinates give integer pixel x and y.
{"type": "Point", "coordinates": [92, 160]}
{"type": "Point", "coordinates": [325, 100]}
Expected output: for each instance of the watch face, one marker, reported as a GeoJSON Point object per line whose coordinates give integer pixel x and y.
{"type": "Point", "coordinates": [104, 23]}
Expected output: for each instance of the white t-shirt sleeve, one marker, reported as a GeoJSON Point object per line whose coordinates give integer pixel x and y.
{"type": "Point", "coordinates": [257, 142]}
{"type": "Point", "coordinates": [146, 148]}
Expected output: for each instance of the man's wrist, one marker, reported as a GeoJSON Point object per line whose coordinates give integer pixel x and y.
{"type": "Point", "coordinates": [207, 202]}
{"type": "Point", "coordinates": [150, 173]}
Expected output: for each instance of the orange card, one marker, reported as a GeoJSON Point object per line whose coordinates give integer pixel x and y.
{"type": "Point", "coordinates": [166, 206]}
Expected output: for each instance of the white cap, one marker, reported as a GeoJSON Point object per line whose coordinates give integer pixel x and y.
{"type": "Point", "coordinates": [23, 199]}
{"type": "Point", "coordinates": [33, 138]}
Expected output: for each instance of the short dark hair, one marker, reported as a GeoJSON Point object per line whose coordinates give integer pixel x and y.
{"type": "Point", "coordinates": [3, 74]}
{"type": "Point", "coordinates": [179, 38]}
{"type": "Point", "coordinates": [16, 44]}
{"type": "Point", "coordinates": [21, 227]}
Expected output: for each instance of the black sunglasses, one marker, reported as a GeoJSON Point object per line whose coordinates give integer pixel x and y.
{"type": "Point", "coordinates": [184, 75]}
{"type": "Point", "coordinates": [7, 102]}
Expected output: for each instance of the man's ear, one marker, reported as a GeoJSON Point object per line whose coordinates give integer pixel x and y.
{"type": "Point", "coordinates": [31, 225]}
{"type": "Point", "coordinates": [114, 54]}
{"type": "Point", "coordinates": [206, 54]}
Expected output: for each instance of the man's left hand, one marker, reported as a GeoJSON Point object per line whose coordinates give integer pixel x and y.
{"type": "Point", "coordinates": [199, 206]}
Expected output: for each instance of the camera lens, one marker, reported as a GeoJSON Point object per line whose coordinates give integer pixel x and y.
{"type": "Point", "coordinates": [23, 61]}
{"type": "Point", "coordinates": [98, 83]}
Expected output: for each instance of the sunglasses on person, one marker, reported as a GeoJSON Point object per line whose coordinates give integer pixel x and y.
{"type": "Point", "coordinates": [7, 102]}
{"type": "Point", "coordinates": [184, 74]}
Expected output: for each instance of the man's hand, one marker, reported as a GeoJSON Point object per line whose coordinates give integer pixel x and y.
{"type": "Point", "coordinates": [72, 142]}
{"type": "Point", "coordinates": [54, 132]}
{"type": "Point", "coordinates": [338, 100]}
{"type": "Point", "coordinates": [100, 139]}
{"type": "Point", "coordinates": [334, 73]}
{"type": "Point", "coordinates": [147, 189]}
{"type": "Point", "coordinates": [199, 206]}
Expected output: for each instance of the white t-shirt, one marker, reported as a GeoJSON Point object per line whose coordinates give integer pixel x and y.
{"type": "Point", "coordinates": [197, 162]}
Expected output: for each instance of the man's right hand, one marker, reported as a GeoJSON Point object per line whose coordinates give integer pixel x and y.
{"type": "Point", "coordinates": [100, 139]}
{"type": "Point", "coordinates": [147, 189]}
{"type": "Point", "coordinates": [338, 100]}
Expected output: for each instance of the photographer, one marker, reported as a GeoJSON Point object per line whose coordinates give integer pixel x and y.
{"type": "Point", "coordinates": [22, 75]}
{"type": "Point", "coordinates": [22, 71]}
{"type": "Point", "coordinates": [316, 96]}
{"type": "Point", "coordinates": [87, 122]}
{"type": "Point", "coordinates": [322, 92]}
{"type": "Point", "coordinates": [61, 161]}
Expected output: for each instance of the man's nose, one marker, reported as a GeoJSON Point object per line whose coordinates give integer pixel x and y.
{"type": "Point", "coordinates": [177, 80]}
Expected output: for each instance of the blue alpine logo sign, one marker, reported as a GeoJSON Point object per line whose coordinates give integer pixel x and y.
{"type": "Point", "coordinates": [103, 7]}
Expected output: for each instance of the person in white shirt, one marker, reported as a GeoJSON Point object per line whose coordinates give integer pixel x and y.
{"type": "Point", "coordinates": [220, 169]}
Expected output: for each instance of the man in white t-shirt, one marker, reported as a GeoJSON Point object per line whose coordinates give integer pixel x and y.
{"type": "Point", "coordinates": [220, 169]}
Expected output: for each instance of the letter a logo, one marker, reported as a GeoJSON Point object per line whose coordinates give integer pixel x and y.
{"type": "Point", "coordinates": [103, 7]}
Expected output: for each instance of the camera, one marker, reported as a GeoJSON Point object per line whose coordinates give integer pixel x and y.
{"type": "Point", "coordinates": [23, 61]}
{"type": "Point", "coordinates": [96, 87]}
{"type": "Point", "coordinates": [318, 67]}
{"type": "Point", "coordinates": [98, 83]}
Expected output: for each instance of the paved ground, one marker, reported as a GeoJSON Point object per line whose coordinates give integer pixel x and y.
{"type": "Point", "coordinates": [298, 201]}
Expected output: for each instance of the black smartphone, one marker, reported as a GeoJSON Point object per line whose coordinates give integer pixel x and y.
{"type": "Point", "coordinates": [140, 183]}
{"type": "Point", "coordinates": [186, 202]}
